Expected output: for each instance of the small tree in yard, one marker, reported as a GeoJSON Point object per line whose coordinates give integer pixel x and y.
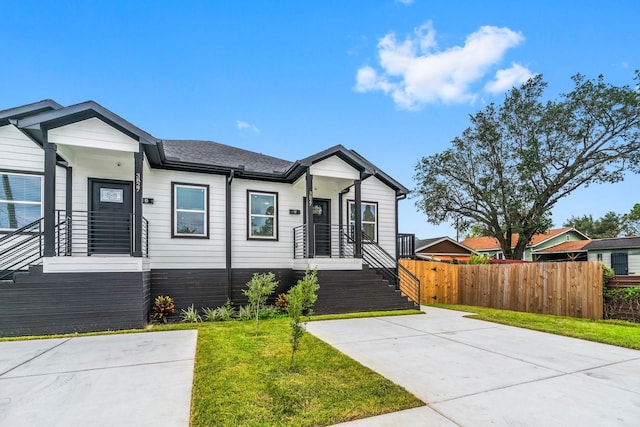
{"type": "Point", "coordinates": [301, 299]}
{"type": "Point", "coordinates": [258, 290]}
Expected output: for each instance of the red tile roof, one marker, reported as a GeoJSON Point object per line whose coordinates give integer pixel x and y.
{"type": "Point", "coordinates": [569, 246]}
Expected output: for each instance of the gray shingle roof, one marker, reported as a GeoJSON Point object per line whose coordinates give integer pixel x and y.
{"type": "Point", "coordinates": [614, 243]}
{"type": "Point", "coordinates": [216, 154]}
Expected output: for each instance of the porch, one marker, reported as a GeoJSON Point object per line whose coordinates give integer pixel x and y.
{"type": "Point", "coordinates": [82, 241]}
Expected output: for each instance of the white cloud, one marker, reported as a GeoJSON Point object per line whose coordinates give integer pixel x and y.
{"type": "Point", "coordinates": [407, 2]}
{"type": "Point", "coordinates": [415, 72]}
{"type": "Point", "coordinates": [508, 78]}
{"type": "Point", "coordinates": [246, 126]}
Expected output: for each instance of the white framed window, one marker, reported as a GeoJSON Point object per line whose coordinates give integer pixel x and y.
{"type": "Point", "coordinates": [190, 210]}
{"type": "Point", "coordinates": [20, 200]}
{"type": "Point", "coordinates": [369, 217]}
{"type": "Point", "coordinates": [262, 215]}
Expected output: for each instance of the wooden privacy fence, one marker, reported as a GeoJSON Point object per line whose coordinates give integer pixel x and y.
{"type": "Point", "coordinates": [559, 288]}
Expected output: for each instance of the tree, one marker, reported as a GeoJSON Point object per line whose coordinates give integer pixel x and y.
{"type": "Point", "coordinates": [516, 160]}
{"type": "Point", "coordinates": [301, 299]}
{"type": "Point", "coordinates": [258, 290]}
{"type": "Point", "coordinates": [632, 221]}
{"type": "Point", "coordinates": [610, 225]}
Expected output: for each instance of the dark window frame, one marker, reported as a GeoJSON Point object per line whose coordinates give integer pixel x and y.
{"type": "Point", "coordinates": [174, 234]}
{"type": "Point", "coordinates": [276, 217]}
{"type": "Point", "coordinates": [41, 203]}
{"type": "Point", "coordinates": [363, 202]}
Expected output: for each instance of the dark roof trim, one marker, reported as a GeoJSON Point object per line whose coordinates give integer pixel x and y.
{"type": "Point", "coordinates": [613, 243]}
{"type": "Point", "coordinates": [37, 118]}
{"type": "Point", "coordinates": [352, 158]}
{"type": "Point", "coordinates": [18, 113]}
{"type": "Point", "coordinates": [34, 124]}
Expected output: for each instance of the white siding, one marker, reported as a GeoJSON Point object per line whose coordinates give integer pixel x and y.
{"type": "Point", "coordinates": [633, 258]}
{"type": "Point", "coordinates": [264, 253]}
{"type": "Point", "coordinates": [374, 190]}
{"type": "Point", "coordinates": [334, 167]}
{"type": "Point", "coordinates": [19, 152]}
{"type": "Point", "coordinates": [168, 252]}
{"type": "Point", "coordinates": [93, 133]}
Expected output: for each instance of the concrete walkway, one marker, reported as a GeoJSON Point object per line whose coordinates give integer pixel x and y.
{"type": "Point", "coordinates": [475, 373]}
{"type": "Point", "coordinates": [141, 379]}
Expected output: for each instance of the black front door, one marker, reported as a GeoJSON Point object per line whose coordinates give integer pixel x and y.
{"type": "Point", "coordinates": [110, 217]}
{"type": "Point", "coordinates": [620, 263]}
{"type": "Point", "coordinates": [322, 226]}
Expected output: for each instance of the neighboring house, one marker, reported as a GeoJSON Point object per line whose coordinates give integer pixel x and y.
{"type": "Point", "coordinates": [621, 253]}
{"type": "Point", "coordinates": [114, 216]}
{"type": "Point", "coordinates": [442, 249]}
{"type": "Point", "coordinates": [489, 246]}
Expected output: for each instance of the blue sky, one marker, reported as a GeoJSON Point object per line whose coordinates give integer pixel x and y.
{"type": "Point", "coordinates": [394, 80]}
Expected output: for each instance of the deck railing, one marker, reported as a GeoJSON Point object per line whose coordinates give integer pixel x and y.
{"type": "Point", "coordinates": [331, 241]}
{"type": "Point", "coordinates": [335, 241]}
{"type": "Point", "coordinates": [94, 233]}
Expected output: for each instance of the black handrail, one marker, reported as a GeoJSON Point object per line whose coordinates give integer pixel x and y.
{"type": "Point", "coordinates": [378, 258]}
{"type": "Point", "coordinates": [20, 248]}
{"type": "Point", "coordinates": [342, 245]}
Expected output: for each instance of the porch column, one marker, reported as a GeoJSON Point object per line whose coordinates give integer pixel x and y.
{"type": "Point", "coordinates": [138, 159]}
{"type": "Point", "coordinates": [311, 238]}
{"type": "Point", "coordinates": [49, 202]}
{"type": "Point", "coordinates": [68, 207]}
{"type": "Point", "coordinates": [358, 218]}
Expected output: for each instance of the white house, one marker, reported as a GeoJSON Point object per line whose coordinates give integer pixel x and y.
{"type": "Point", "coordinates": [107, 216]}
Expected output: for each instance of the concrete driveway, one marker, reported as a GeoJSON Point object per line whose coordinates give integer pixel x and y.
{"type": "Point", "coordinates": [141, 379]}
{"type": "Point", "coordinates": [475, 373]}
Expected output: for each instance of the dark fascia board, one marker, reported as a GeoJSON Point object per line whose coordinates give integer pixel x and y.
{"type": "Point", "coordinates": [23, 111]}
{"type": "Point", "coordinates": [76, 113]}
{"type": "Point", "coordinates": [352, 158]}
{"type": "Point", "coordinates": [613, 243]}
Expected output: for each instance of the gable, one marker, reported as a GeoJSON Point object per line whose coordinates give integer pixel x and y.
{"type": "Point", "coordinates": [445, 247]}
{"type": "Point", "coordinates": [18, 151]}
{"type": "Point", "coordinates": [93, 133]}
{"type": "Point", "coordinates": [334, 167]}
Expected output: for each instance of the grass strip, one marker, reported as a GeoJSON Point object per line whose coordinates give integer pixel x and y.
{"type": "Point", "coordinates": [242, 379]}
{"type": "Point", "coordinates": [614, 332]}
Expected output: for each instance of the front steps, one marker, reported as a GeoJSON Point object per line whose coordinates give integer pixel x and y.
{"type": "Point", "coordinates": [357, 291]}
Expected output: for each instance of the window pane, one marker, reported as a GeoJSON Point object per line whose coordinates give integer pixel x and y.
{"type": "Point", "coordinates": [190, 223]}
{"type": "Point", "coordinates": [20, 187]}
{"type": "Point", "coordinates": [190, 198]}
{"type": "Point", "coordinates": [369, 230]}
{"type": "Point", "coordinates": [368, 212]}
{"type": "Point", "coordinates": [17, 215]}
{"type": "Point", "coordinates": [263, 204]}
{"type": "Point", "coordinates": [262, 227]}
{"type": "Point", "coordinates": [352, 211]}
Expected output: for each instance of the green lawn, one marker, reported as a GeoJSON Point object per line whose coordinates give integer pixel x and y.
{"type": "Point", "coordinates": [242, 379]}
{"type": "Point", "coordinates": [615, 332]}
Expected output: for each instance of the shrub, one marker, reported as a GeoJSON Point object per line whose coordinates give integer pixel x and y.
{"type": "Point", "coordinates": [245, 312]}
{"type": "Point", "coordinates": [163, 307]}
{"type": "Point", "coordinates": [607, 274]}
{"type": "Point", "coordinates": [476, 259]}
{"type": "Point", "coordinates": [220, 314]}
{"type": "Point", "coordinates": [258, 290]}
{"type": "Point", "coordinates": [301, 299]}
{"type": "Point", "coordinates": [190, 315]}
{"type": "Point", "coordinates": [282, 302]}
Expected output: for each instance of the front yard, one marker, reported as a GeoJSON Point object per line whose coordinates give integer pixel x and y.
{"type": "Point", "coordinates": [243, 379]}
